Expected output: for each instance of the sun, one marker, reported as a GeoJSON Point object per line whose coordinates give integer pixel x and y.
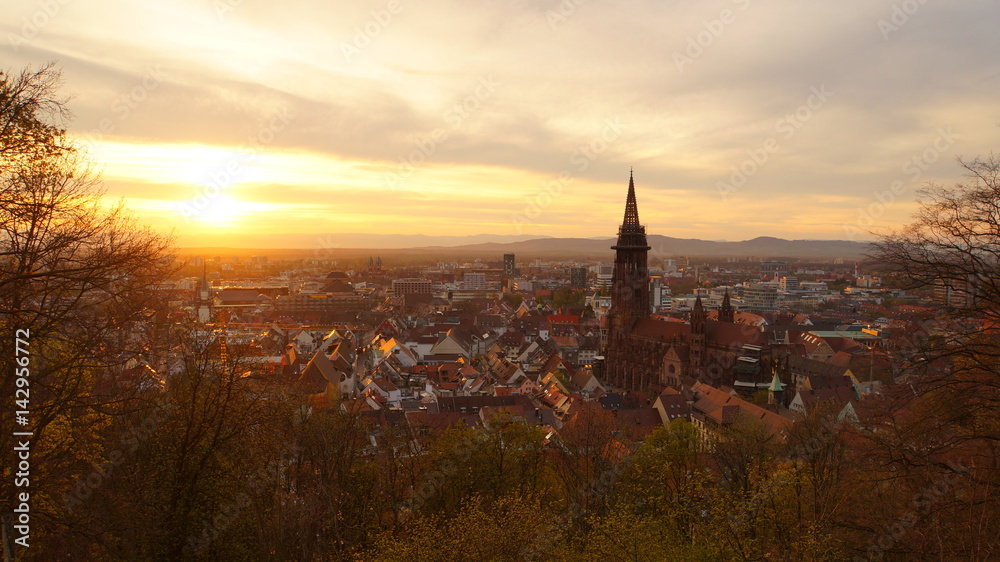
{"type": "Point", "coordinates": [219, 210]}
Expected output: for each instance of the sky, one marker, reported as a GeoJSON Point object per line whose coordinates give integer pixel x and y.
{"type": "Point", "coordinates": [223, 121]}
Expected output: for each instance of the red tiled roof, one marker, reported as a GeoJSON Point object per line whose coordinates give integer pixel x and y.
{"type": "Point", "coordinates": [566, 341]}
{"type": "Point", "coordinates": [727, 333]}
{"type": "Point", "coordinates": [838, 395]}
{"type": "Point", "coordinates": [843, 344]}
{"type": "Point", "coordinates": [724, 408]}
{"type": "Point", "coordinates": [657, 329]}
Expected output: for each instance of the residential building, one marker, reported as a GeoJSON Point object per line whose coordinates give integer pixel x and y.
{"type": "Point", "coordinates": [412, 286]}
{"type": "Point", "coordinates": [760, 298]}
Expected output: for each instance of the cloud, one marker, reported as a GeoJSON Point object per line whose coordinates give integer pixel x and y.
{"type": "Point", "coordinates": [368, 82]}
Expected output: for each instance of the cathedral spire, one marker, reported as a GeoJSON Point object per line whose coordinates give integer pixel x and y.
{"type": "Point", "coordinates": [631, 209]}
{"type": "Point", "coordinates": [631, 234]}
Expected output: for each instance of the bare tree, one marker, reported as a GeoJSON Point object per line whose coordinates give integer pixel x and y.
{"type": "Point", "coordinates": [953, 247]}
{"type": "Point", "coordinates": [942, 420]}
{"type": "Point", "coordinates": [31, 115]}
{"type": "Point", "coordinates": [76, 276]}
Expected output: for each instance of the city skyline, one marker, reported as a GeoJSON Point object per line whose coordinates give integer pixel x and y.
{"type": "Point", "coordinates": [219, 119]}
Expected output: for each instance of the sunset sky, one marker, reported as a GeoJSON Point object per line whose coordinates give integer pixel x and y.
{"type": "Point", "coordinates": [223, 118]}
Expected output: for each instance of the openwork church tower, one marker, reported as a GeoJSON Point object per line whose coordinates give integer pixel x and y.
{"type": "Point", "coordinates": [630, 280]}
{"type": "Point", "coordinates": [629, 285]}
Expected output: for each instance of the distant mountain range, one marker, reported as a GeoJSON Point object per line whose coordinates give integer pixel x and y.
{"type": "Point", "coordinates": [489, 245]}
{"type": "Point", "coordinates": [665, 246]}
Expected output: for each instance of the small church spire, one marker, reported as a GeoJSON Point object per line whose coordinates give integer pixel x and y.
{"type": "Point", "coordinates": [698, 317]}
{"type": "Point", "coordinates": [204, 281]}
{"type": "Point", "coordinates": [776, 384]}
{"type": "Point", "coordinates": [726, 313]}
{"type": "Point", "coordinates": [776, 392]}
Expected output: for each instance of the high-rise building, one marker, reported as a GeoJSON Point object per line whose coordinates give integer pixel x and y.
{"type": "Point", "coordinates": [475, 281]}
{"type": "Point", "coordinates": [955, 292]}
{"type": "Point", "coordinates": [578, 277]}
{"type": "Point", "coordinates": [509, 265]}
{"type": "Point", "coordinates": [761, 298]}
{"type": "Point", "coordinates": [604, 274]}
{"type": "Point", "coordinates": [660, 296]}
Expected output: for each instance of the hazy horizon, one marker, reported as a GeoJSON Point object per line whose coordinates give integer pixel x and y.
{"type": "Point", "coordinates": [364, 241]}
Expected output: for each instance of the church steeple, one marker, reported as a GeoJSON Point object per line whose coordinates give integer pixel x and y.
{"type": "Point", "coordinates": [726, 313]}
{"type": "Point", "coordinates": [204, 297]}
{"type": "Point", "coordinates": [699, 319]}
{"type": "Point", "coordinates": [631, 234]}
{"type": "Point", "coordinates": [203, 289]}
{"type": "Point", "coordinates": [698, 316]}
{"type": "Point", "coordinates": [629, 291]}
{"type": "Point", "coordinates": [630, 281]}
{"type": "Point", "coordinates": [776, 392]}
{"type": "Point", "coordinates": [631, 208]}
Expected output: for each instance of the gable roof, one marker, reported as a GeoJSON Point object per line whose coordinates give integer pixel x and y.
{"type": "Point", "coordinates": [803, 366]}
{"type": "Point", "coordinates": [839, 395]}
{"type": "Point", "coordinates": [724, 408]}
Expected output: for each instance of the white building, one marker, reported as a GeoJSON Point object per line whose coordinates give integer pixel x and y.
{"type": "Point", "coordinates": [475, 281]}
